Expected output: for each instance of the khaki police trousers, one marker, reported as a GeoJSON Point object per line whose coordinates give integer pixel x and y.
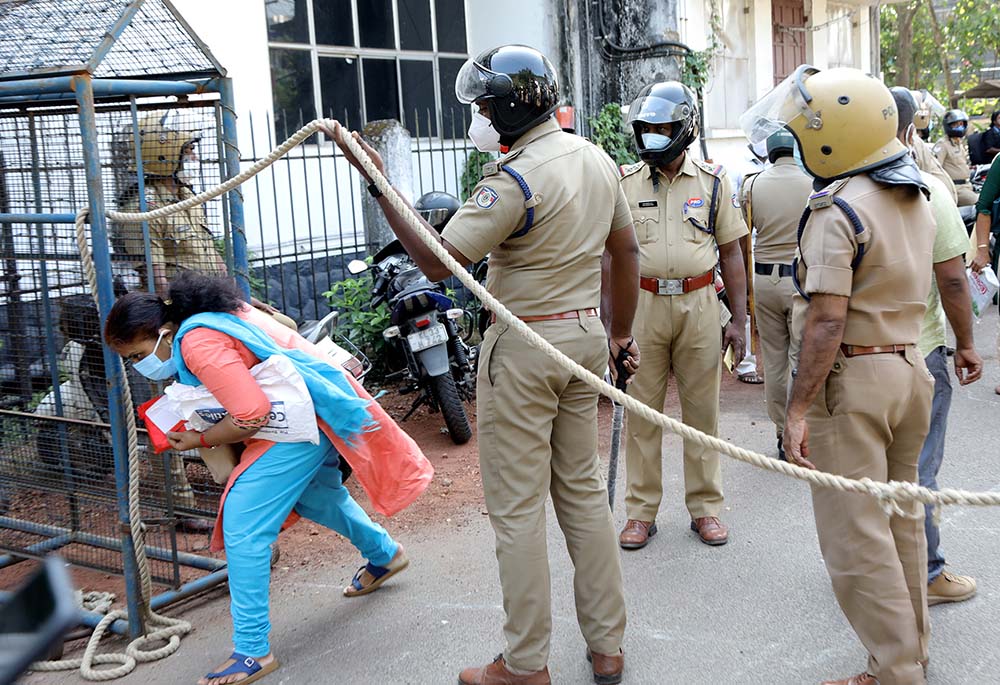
{"type": "Point", "coordinates": [537, 427]}
{"type": "Point", "coordinates": [966, 195]}
{"type": "Point", "coordinates": [679, 333]}
{"type": "Point", "coordinates": [869, 421]}
{"type": "Point", "coordinates": [773, 313]}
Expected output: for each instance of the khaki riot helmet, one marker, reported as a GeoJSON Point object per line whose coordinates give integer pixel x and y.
{"type": "Point", "coordinates": [162, 144]}
{"type": "Point", "coordinates": [843, 120]}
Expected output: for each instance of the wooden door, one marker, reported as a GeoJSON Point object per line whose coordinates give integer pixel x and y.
{"type": "Point", "coordinates": [789, 44]}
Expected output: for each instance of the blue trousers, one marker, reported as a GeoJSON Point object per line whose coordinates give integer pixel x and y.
{"type": "Point", "coordinates": [287, 475]}
{"type": "Point", "coordinates": [932, 454]}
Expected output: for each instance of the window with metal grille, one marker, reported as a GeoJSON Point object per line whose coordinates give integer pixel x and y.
{"type": "Point", "coordinates": [362, 60]}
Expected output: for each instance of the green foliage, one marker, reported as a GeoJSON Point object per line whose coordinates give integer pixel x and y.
{"type": "Point", "coordinates": [358, 322]}
{"type": "Point", "coordinates": [971, 33]}
{"type": "Point", "coordinates": [607, 131]}
{"type": "Point", "coordinates": [697, 69]}
{"type": "Point", "coordinates": [473, 171]}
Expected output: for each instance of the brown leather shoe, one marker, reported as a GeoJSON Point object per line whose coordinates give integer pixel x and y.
{"type": "Point", "coordinates": [607, 669]}
{"type": "Point", "coordinates": [711, 530]}
{"type": "Point", "coordinates": [636, 534]}
{"type": "Point", "coordinates": [859, 679]}
{"type": "Point", "coordinates": [497, 674]}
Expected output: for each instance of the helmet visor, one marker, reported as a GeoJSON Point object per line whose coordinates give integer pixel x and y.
{"type": "Point", "coordinates": [473, 82]}
{"type": "Point", "coordinates": [657, 110]}
{"type": "Point", "coordinates": [786, 102]}
{"type": "Point", "coordinates": [434, 217]}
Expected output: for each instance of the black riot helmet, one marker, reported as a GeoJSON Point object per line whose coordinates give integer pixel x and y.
{"type": "Point", "coordinates": [664, 102]}
{"type": "Point", "coordinates": [437, 208]}
{"type": "Point", "coordinates": [518, 83]}
{"type": "Point", "coordinates": [955, 123]}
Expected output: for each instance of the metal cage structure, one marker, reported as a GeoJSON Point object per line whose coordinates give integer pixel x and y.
{"type": "Point", "coordinates": [106, 104]}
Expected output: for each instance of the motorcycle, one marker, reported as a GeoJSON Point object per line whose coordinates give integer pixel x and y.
{"type": "Point", "coordinates": [438, 362]}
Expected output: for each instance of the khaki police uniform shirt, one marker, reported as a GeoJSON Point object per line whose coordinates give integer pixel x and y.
{"type": "Point", "coordinates": [178, 241]}
{"type": "Point", "coordinates": [927, 162]}
{"type": "Point", "coordinates": [556, 266]}
{"type": "Point", "coordinates": [888, 289]}
{"type": "Point", "coordinates": [777, 198]}
{"type": "Point", "coordinates": [671, 221]}
{"type": "Point", "coordinates": [953, 154]}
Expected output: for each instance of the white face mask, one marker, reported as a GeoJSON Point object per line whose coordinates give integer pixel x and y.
{"type": "Point", "coordinates": [483, 135]}
{"type": "Point", "coordinates": [655, 141]}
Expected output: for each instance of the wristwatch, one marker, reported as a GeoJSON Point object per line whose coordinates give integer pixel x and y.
{"type": "Point", "coordinates": [373, 189]}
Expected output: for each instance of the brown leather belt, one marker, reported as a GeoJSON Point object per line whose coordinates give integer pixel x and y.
{"type": "Point", "coordinates": [676, 286]}
{"type": "Point", "coordinates": [859, 350]}
{"type": "Point", "coordinates": [575, 314]}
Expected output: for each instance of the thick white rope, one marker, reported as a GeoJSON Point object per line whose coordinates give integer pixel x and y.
{"type": "Point", "coordinates": [895, 498]}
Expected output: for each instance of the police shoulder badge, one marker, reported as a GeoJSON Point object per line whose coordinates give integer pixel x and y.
{"type": "Point", "coordinates": [487, 197]}
{"type": "Point", "coordinates": [736, 201]}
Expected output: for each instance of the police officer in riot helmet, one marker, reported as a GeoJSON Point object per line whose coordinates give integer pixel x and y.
{"type": "Point", "coordinates": [860, 400]}
{"type": "Point", "coordinates": [547, 212]}
{"type": "Point", "coordinates": [437, 208]}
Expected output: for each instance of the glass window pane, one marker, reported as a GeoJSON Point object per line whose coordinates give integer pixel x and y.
{"type": "Point", "coordinates": [375, 24]}
{"type": "Point", "coordinates": [453, 112]}
{"type": "Point", "coordinates": [381, 92]}
{"type": "Point", "coordinates": [450, 20]}
{"type": "Point", "coordinates": [287, 21]}
{"type": "Point", "coordinates": [292, 86]}
{"type": "Point", "coordinates": [338, 88]}
{"type": "Point", "coordinates": [334, 25]}
{"type": "Point", "coordinates": [418, 97]}
{"type": "Point", "coordinates": [415, 24]}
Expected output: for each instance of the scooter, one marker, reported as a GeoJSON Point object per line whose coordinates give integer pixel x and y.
{"type": "Point", "coordinates": [343, 353]}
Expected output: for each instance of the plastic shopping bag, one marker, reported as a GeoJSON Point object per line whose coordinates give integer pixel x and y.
{"type": "Point", "coordinates": [293, 416]}
{"type": "Point", "coordinates": [161, 416]}
{"type": "Point", "coordinates": [982, 286]}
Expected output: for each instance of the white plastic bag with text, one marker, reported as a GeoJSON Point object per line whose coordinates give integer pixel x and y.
{"type": "Point", "coordinates": [292, 417]}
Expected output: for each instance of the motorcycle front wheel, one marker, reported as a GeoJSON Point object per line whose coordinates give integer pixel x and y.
{"type": "Point", "coordinates": [450, 403]}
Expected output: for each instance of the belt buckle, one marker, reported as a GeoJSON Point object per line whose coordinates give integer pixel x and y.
{"type": "Point", "coordinates": [669, 286]}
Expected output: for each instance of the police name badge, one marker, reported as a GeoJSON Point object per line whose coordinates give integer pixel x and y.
{"type": "Point", "coordinates": [487, 197]}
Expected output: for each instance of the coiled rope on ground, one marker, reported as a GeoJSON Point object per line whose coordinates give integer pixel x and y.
{"type": "Point", "coordinates": [895, 498]}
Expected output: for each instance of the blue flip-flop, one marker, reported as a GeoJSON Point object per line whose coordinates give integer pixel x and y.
{"type": "Point", "coordinates": [379, 573]}
{"type": "Point", "coordinates": [245, 664]}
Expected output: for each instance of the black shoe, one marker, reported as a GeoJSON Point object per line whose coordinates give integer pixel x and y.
{"type": "Point", "coordinates": [781, 450]}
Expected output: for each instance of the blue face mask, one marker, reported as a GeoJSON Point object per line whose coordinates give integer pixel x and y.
{"type": "Point", "coordinates": [655, 141]}
{"type": "Point", "coordinates": [957, 131]}
{"type": "Point", "coordinates": [154, 368]}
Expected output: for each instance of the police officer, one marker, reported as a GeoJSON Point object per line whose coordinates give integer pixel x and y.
{"type": "Point", "coordinates": [546, 212]}
{"type": "Point", "coordinates": [179, 241]}
{"type": "Point", "coordinates": [772, 202]}
{"type": "Point", "coordinates": [952, 151]}
{"type": "Point", "coordinates": [687, 221]}
{"type": "Point", "coordinates": [861, 396]}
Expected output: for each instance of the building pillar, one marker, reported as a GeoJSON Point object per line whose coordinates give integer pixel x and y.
{"type": "Point", "coordinates": [392, 142]}
{"type": "Point", "coordinates": [761, 53]}
{"type": "Point", "coordinates": [817, 42]}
